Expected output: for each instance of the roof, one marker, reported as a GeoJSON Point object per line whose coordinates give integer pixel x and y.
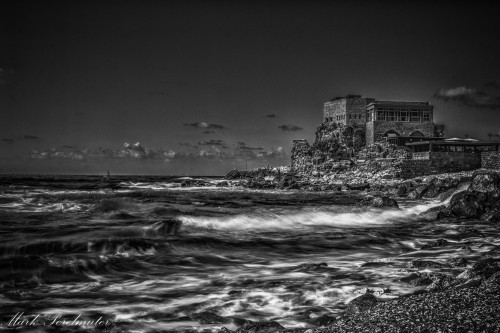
{"type": "Point", "coordinates": [454, 143]}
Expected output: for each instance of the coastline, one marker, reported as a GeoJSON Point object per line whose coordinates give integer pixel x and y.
{"type": "Point", "coordinates": [443, 300]}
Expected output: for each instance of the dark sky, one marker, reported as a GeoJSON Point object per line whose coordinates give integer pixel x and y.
{"type": "Point", "coordinates": [207, 86]}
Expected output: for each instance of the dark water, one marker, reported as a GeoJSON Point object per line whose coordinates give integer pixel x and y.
{"type": "Point", "coordinates": [80, 246]}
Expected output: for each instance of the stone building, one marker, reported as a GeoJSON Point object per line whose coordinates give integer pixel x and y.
{"type": "Point", "coordinates": [383, 120]}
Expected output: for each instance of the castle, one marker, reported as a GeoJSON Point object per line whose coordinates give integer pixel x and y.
{"type": "Point", "coordinates": [400, 134]}
{"type": "Point", "coordinates": [395, 121]}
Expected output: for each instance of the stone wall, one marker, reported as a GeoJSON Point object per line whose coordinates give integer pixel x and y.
{"type": "Point", "coordinates": [333, 108]}
{"type": "Point", "coordinates": [439, 162]}
{"type": "Point", "coordinates": [356, 110]}
{"type": "Point", "coordinates": [375, 130]}
{"type": "Point", "coordinates": [490, 160]}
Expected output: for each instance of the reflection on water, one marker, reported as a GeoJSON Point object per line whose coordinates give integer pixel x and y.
{"type": "Point", "coordinates": [149, 254]}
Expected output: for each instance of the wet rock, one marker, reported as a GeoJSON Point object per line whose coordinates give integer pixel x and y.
{"type": "Point", "coordinates": [378, 201]}
{"type": "Point", "coordinates": [419, 264]}
{"type": "Point", "coordinates": [435, 213]}
{"type": "Point", "coordinates": [361, 303]}
{"type": "Point", "coordinates": [224, 330]}
{"type": "Point", "coordinates": [484, 268]}
{"type": "Point", "coordinates": [438, 243]}
{"type": "Point", "coordinates": [465, 248]}
{"type": "Point", "coordinates": [260, 327]}
{"type": "Point", "coordinates": [493, 279]}
{"type": "Point", "coordinates": [306, 268]}
{"type": "Point", "coordinates": [418, 192]}
{"type": "Point", "coordinates": [471, 283]}
{"type": "Point", "coordinates": [207, 318]}
{"type": "Point", "coordinates": [467, 232]}
{"type": "Point", "coordinates": [467, 204]}
{"type": "Point", "coordinates": [441, 282]}
{"type": "Point", "coordinates": [457, 262]}
{"type": "Point", "coordinates": [326, 320]}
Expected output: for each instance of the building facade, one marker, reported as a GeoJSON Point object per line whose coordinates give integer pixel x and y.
{"type": "Point", "coordinates": [383, 120]}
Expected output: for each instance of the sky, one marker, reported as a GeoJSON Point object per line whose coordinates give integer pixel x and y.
{"type": "Point", "coordinates": [202, 87]}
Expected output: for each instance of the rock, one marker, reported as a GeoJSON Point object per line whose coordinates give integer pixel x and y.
{"type": "Point", "coordinates": [361, 303]}
{"type": "Point", "coordinates": [378, 201]}
{"type": "Point", "coordinates": [418, 192]}
{"type": "Point", "coordinates": [224, 330]}
{"type": "Point", "coordinates": [233, 174]}
{"type": "Point", "coordinates": [467, 232]}
{"type": "Point", "coordinates": [207, 318]}
{"type": "Point", "coordinates": [493, 279]}
{"type": "Point", "coordinates": [441, 282]}
{"type": "Point", "coordinates": [438, 243]}
{"type": "Point", "coordinates": [358, 187]}
{"type": "Point", "coordinates": [484, 268]}
{"type": "Point", "coordinates": [457, 262]}
{"type": "Point", "coordinates": [484, 182]}
{"type": "Point", "coordinates": [467, 204]}
{"type": "Point", "coordinates": [471, 283]}
{"type": "Point", "coordinates": [305, 268]}
{"type": "Point", "coordinates": [326, 320]}
{"type": "Point", "coordinates": [435, 213]}
{"type": "Point", "coordinates": [417, 279]}
{"type": "Point", "coordinates": [425, 264]}
{"type": "Point", "coordinates": [260, 327]}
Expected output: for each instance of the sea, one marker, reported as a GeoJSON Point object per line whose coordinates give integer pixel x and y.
{"type": "Point", "coordinates": [146, 254]}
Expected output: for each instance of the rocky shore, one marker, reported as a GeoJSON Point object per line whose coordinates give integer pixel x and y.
{"type": "Point", "coordinates": [460, 294]}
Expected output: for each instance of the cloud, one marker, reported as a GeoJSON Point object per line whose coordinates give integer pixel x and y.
{"type": "Point", "coordinates": [205, 125]}
{"type": "Point", "coordinates": [290, 128]}
{"type": "Point", "coordinates": [469, 97]}
{"type": "Point", "coordinates": [8, 140]}
{"type": "Point", "coordinates": [211, 143]}
{"type": "Point", "coordinates": [271, 115]}
{"type": "Point", "coordinates": [208, 132]}
{"type": "Point", "coordinates": [206, 150]}
{"type": "Point", "coordinates": [31, 137]}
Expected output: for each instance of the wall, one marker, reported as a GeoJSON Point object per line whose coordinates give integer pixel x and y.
{"type": "Point", "coordinates": [334, 108]}
{"type": "Point", "coordinates": [439, 162]}
{"type": "Point", "coordinates": [357, 106]}
{"type": "Point", "coordinates": [375, 130]}
{"type": "Point", "coordinates": [490, 160]}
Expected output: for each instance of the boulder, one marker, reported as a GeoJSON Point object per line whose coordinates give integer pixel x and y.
{"type": "Point", "coordinates": [484, 182]}
{"type": "Point", "coordinates": [435, 213]}
{"type": "Point", "coordinates": [418, 192]}
{"type": "Point", "coordinates": [361, 303]}
{"type": "Point", "coordinates": [484, 268]}
{"type": "Point", "coordinates": [378, 201]}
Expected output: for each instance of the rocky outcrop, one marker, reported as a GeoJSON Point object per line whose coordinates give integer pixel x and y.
{"type": "Point", "coordinates": [480, 200]}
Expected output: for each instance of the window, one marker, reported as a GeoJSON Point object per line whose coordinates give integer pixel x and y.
{"type": "Point", "coordinates": [415, 116]}
{"type": "Point", "coordinates": [403, 116]}
{"type": "Point", "coordinates": [426, 116]}
{"type": "Point", "coordinates": [381, 115]}
{"type": "Point", "coordinates": [391, 116]}
{"type": "Point", "coordinates": [350, 117]}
